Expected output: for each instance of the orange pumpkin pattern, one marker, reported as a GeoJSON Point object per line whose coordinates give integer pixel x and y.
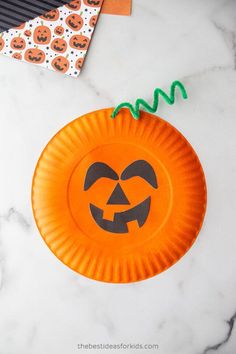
{"type": "Point", "coordinates": [17, 56]}
{"type": "Point", "coordinates": [2, 42]}
{"type": "Point", "coordinates": [59, 30]}
{"type": "Point", "coordinates": [35, 55]}
{"type": "Point", "coordinates": [52, 15]}
{"type": "Point", "coordinates": [18, 43]}
{"type": "Point", "coordinates": [74, 21]}
{"type": "Point", "coordinates": [79, 63]}
{"type": "Point", "coordinates": [74, 5]}
{"type": "Point", "coordinates": [27, 33]}
{"type": "Point", "coordinates": [93, 21]}
{"type": "Point", "coordinates": [61, 64]}
{"type": "Point", "coordinates": [57, 40]}
{"type": "Point", "coordinates": [93, 3]}
{"type": "Point", "coordinates": [42, 34]}
{"type": "Point", "coordinates": [59, 45]}
{"type": "Point", "coordinates": [79, 42]}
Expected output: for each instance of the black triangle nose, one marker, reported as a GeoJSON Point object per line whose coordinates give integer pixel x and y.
{"type": "Point", "coordinates": [118, 196]}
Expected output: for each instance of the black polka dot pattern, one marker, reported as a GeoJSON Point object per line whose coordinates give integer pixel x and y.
{"type": "Point", "coordinates": [57, 44]}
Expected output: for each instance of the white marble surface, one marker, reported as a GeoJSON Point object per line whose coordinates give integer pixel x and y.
{"type": "Point", "coordinates": [45, 308]}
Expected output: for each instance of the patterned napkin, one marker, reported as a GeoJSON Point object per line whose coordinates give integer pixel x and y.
{"type": "Point", "coordinates": [57, 39]}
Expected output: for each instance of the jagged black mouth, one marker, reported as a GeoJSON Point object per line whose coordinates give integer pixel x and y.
{"type": "Point", "coordinates": [92, 2]}
{"type": "Point", "coordinates": [51, 17]}
{"type": "Point", "coordinates": [72, 24]}
{"type": "Point", "coordinates": [72, 6]}
{"type": "Point", "coordinates": [119, 224]}
{"type": "Point", "coordinates": [58, 67]}
{"type": "Point", "coordinates": [59, 49]}
{"type": "Point", "coordinates": [34, 58]}
{"type": "Point", "coordinates": [42, 39]}
{"type": "Point", "coordinates": [18, 46]}
{"type": "Point", "coordinates": [79, 45]}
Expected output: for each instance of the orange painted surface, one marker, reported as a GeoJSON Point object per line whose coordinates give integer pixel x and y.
{"type": "Point", "coordinates": [117, 7]}
{"type": "Point", "coordinates": [62, 204]}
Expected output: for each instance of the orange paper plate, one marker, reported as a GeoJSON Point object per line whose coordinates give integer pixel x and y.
{"type": "Point", "coordinates": [119, 200]}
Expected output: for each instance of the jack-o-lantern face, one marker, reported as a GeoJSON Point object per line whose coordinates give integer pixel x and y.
{"type": "Point", "coordinates": [35, 55]}
{"type": "Point", "coordinates": [138, 212]}
{"type": "Point", "coordinates": [18, 43]}
{"type": "Point", "coordinates": [17, 56]}
{"type": "Point", "coordinates": [93, 3]}
{"type": "Point", "coordinates": [27, 33]}
{"type": "Point", "coordinates": [74, 5]}
{"type": "Point", "coordinates": [59, 45]}
{"type": "Point", "coordinates": [2, 43]}
{"type": "Point", "coordinates": [79, 63]}
{"type": "Point", "coordinates": [119, 200]}
{"type": "Point", "coordinates": [93, 21]}
{"type": "Point", "coordinates": [59, 30]}
{"type": "Point", "coordinates": [75, 22]}
{"type": "Point", "coordinates": [61, 64]}
{"type": "Point", "coordinates": [42, 35]}
{"type": "Point", "coordinates": [79, 42]}
{"type": "Point", "coordinates": [52, 15]}
{"type": "Point", "coordinates": [120, 189]}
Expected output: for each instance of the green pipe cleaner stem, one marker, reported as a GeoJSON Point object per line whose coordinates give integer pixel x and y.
{"type": "Point", "coordinates": [135, 110]}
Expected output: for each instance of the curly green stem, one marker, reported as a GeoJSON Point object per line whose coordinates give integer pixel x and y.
{"type": "Point", "coordinates": [135, 110]}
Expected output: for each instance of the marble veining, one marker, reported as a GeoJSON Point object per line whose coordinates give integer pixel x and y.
{"type": "Point", "coordinates": [217, 346]}
{"type": "Point", "coordinates": [188, 309]}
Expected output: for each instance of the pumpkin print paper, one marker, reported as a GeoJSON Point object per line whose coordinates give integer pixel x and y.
{"type": "Point", "coordinates": [119, 200]}
{"type": "Point", "coordinates": [57, 40]}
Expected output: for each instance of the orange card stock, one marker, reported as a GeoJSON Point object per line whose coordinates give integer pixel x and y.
{"type": "Point", "coordinates": [117, 7]}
